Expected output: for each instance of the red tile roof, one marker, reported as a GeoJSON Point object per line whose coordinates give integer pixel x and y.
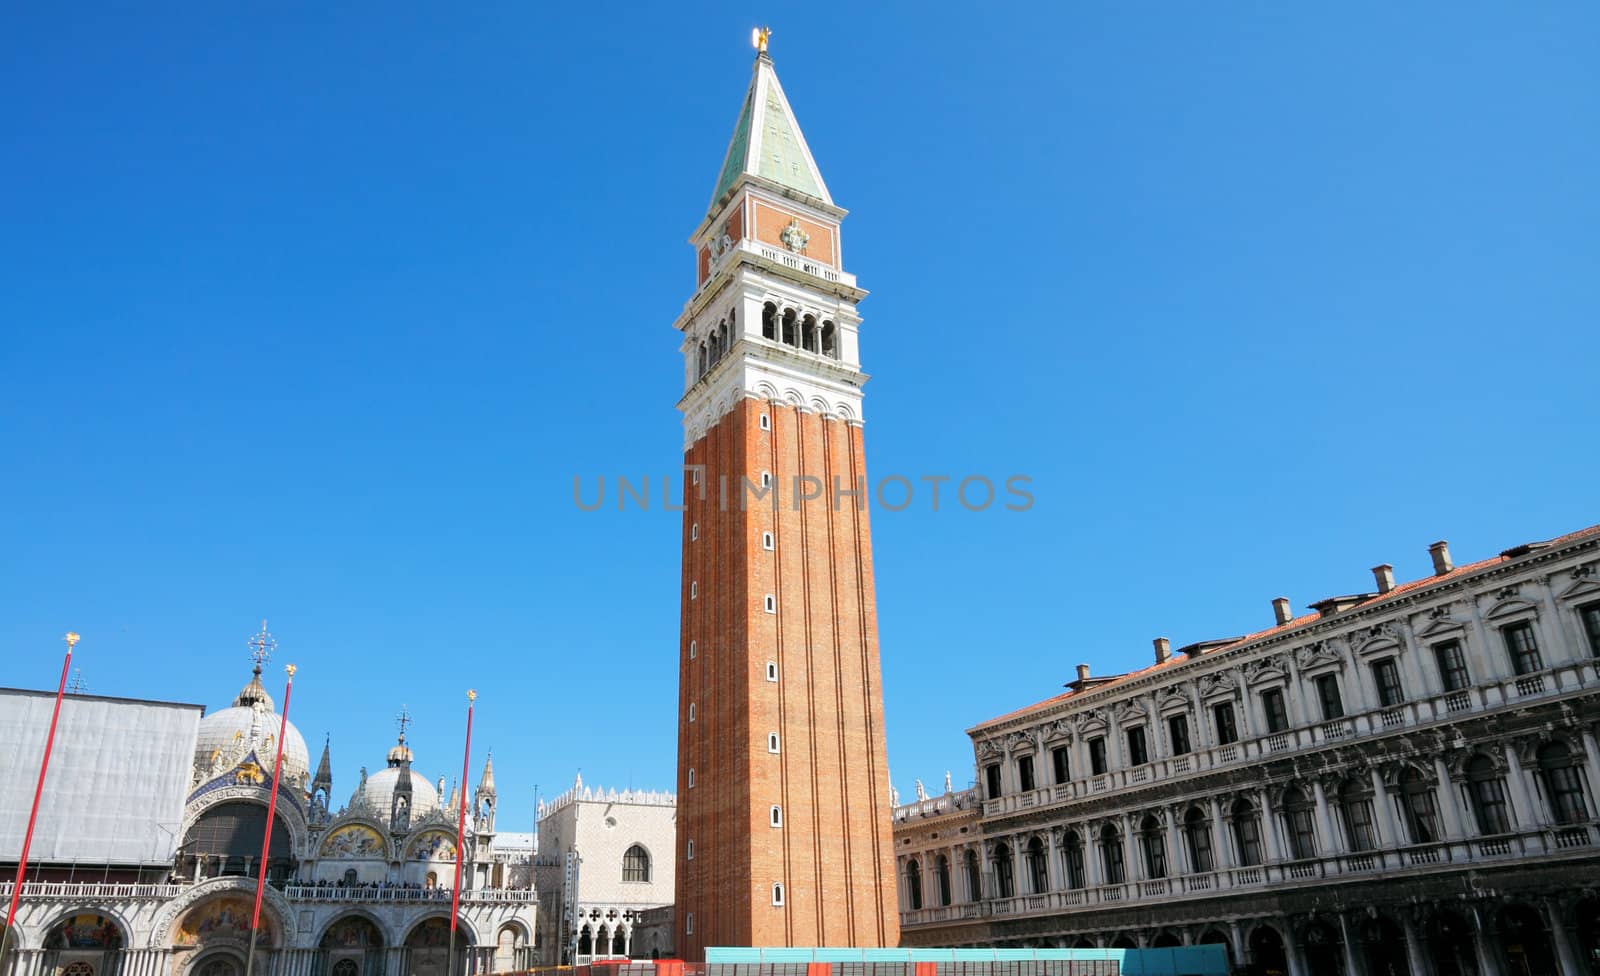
{"type": "Point", "coordinates": [1297, 622]}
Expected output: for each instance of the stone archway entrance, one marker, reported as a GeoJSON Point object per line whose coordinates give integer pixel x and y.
{"type": "Point", "coordinates": [218, 964]}
{"type": "Point", "coordinates": [1527, 945]}
{"type": "Point", "coordinates": [1383, 947]}
{"type": "Point", "coordinates": [427, 948]}
{"type": "Point", "coordinates": [1450, 940]}
{"type": "Point", "coordinates": [82, 944]}
{"type": "Point", "coordinates": [352, 946]}
{"type": "Point", "coordinates": [1322, 947]}
{"type": "Point", "coordinates": [1267, 952]}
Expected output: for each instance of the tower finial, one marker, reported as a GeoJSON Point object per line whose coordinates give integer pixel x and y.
{"type": "Point", "coordinates": [261, 647]}
{"type": "Point", "coordinates": [403, 719]}
{"type": "Point", "coordinates": [758, 38]}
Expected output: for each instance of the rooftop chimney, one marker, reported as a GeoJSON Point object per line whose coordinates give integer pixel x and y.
{"type": "Point", "coordinates": [1384, 575]}
{"type": "Point", "coordinates": [1083, 672]}
{"type": "Point", "coordinates": [1163, 649]}
{"type": "Point", "coordinates": [1280, 610]}
{"type": "Point", "coordinates": [1440, 551]}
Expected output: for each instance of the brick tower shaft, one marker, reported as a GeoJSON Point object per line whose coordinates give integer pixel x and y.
{"type": "Point", "coordinates": [784, 809]}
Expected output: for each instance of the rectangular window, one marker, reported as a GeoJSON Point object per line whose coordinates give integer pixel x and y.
{"type": "Point", "coordinates": [1227, 727]}
{"type": "Point", "coordinates": [1328, 693]}
{"type": "Point", "coordinates": [1489, 805]}
{"type": "Point", "coordinates": [991, 780]}
{"type": "Point", "coordinates": [1452, 665]}
{"type": "Point", "coordinates": [1523, 648]}
{"type": "Point", "coordinates": [1111, 851]}
{"type": "Point", "coordinates": [1097, 756]}
{"type": "Point", "coordinates": [1302, 835]}
{"type": "Point", "coordinates": [1590, 615]}
{"type": "Point", "coordinates": [1386, 675]}
{"type": "Point", "coordinates": [1075, 872]}
{"type": "Point", "coordinates": [1138, 752]}
{"type": "Point", "coordinates": [1247, 837]}
{"type": "Point", "coordinates": [1277, 713]}
{"type": "Point", "coordinates": [1358, 827]}
{"type": "Point", "coordinates": [1198, 832]}
{"type": "Point", "coordinates": [1025, 773]}
{"type": "Point", "coordinates": [1178, 734]}
{"type": "Point", "coordinates": [1061, 763]}
{"type": "Point", "coordinates": [688, 924]}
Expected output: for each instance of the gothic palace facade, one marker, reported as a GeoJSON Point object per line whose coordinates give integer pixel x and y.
{"type": "Point", "coordinates": [1399, 782]}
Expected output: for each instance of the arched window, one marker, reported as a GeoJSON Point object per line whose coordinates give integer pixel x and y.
{"type": "Point", "coordinates": [704, 361]}
{"type": "Point", "coordinates": [941, 877]}
{"type": "Point", "coordinates": [790, 334]}
{"type": "Point", "coordinates": [830, 341]}
{"type": "Point", "coordinates": [585, 942]}
{"type": "Point", "coordinates": [1072, 854]}
{"type": "Point", "coordinates": [619, 942]}
{"type": "Point", "coordinates": [636, 864]}
{"type": "Point", "coordinates": [1562, 784]}
{"type": "Point", "coordinates": [1154, 848]}
{"type": "Point", "coordinates": [1197, 834]}
{"type": "Point", "coordinates": [1421, 810]}
{"type": "Point", "coordinates": [1111, 855]}
{"type": "Point", "coordinates": [1487, 791]}
{"type": "Point", "coordinates": [777, 894]}
{"type": "Point", "coordinates": [808, 334]}
{"type": "Point", "coordinates": [974, 877]}
{"type": "Point", "coordinates": [913, 884]}
{"type": "Point", "coordinates": [1004, 885]}
{"type": "Point", "coordinates": [1038, 874]}
{"type": "Point", "coordinates": [1355, 808]}
{"type": "Point", "coordinates": [1298, 817]}
{"type": "Point", "coordinates": [769, 321]}
{"type": "Point", "coordinates": [1246, 833]}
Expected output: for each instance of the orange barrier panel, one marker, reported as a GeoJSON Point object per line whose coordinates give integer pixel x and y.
{"type": "Point", "coordinates": [669, 967]}
{"type": "Point", "coordinates": [927, 968]}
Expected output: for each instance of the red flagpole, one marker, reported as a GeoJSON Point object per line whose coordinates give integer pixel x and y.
{"type": "Point", "coordinates": [38, 791]}
{"type": "Point", "coordinates": [272, 809]}
{"type": "Point", "coordinates": [461, 830]}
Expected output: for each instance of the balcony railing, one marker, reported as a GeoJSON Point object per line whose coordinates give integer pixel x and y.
{"type": "Point", "coordinates": [73, 891]}
{"type": "Point", "coordinates": [1554, 841]}
{"type": "Point", "coordinates": [1421, 712]}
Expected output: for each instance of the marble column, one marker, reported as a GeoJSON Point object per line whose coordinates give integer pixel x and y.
{"type": "Point", "coordinates": [1133, 859]}
{"type": "Point", "coordinates": [1591, 767]}
{"type": "Point", "coordinates": [1416, 954]}
{"type": "Point", "coordinates": [1529, 813]}
{"type": "Point", "coordinates": [1449, 801]}
{"type": "Point", "coordinates": [1355, 963]}
{"type": "Point", "coordinates": [1484, 945]}
{"type": "Point", "coordinates": [1325, 834]}
{"type": "Point", "coordinates": [1175, 855]}
{"type": "Point", "coordinates": [1389, 833]}
{"type": "Point", "coordinates": [1565, 950]}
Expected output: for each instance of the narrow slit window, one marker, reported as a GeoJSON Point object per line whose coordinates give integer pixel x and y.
{"type": "Point", "coordinates": [776, 815]}
{"type": "Point", "coordinates": [772, 670]}
{"type": "Point", "coordinates": [777, 894]}
{"type": "Point", "coordinates": [691, 711]}
{"type": "Point", "coordinates": [694, 589]}
{"type": "Point", "coordinates": [766, 422]}
{"type": "Point", "coordinates": [768, 542]}
{"type": "Point", "coordinates": [772, 742]}
{"type": "Point", "coordinates": [766, 479]}
{"type": "Point", "coordinates": [771, 603]}
{"type": "Point", "coordinates": [694, 532]}
{"type": "Point", "coordinates": [691, 777]}
{"type": "Point", "coordinates": [688, 852]}
{"type": "Point", "coordinates": [688, 925]}
{"type": "Point", "coordinates": [692, 648]}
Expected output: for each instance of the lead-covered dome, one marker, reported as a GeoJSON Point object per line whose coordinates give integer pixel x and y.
{"type": "Point", "coordinates": [376, 793]}
{"type": "Point", "coordinates": [228, 737]}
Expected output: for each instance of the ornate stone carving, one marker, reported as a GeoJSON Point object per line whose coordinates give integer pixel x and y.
{"type": "Point", "coordinates": [1318, 654]}
{"type": "Point", "coordinates": [794, 237]}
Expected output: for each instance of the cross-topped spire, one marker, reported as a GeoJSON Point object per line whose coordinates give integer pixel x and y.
{"type": "Point", "coordinates": [403, 719]}
{"type": "Point", "coordinates": [261, 647]}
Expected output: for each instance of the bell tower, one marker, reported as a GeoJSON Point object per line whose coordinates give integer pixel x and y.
{"type": "Point", "coordinates": [783, 791]}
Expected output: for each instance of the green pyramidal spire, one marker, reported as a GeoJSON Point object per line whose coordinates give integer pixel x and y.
{"type": "Point", "coordinates": [767, 141]}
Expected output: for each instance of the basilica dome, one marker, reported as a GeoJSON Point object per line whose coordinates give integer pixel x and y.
{"type": "Point", "coordinates": [376, 793]}
{"type": "Point", "coordinates": [228, 737]}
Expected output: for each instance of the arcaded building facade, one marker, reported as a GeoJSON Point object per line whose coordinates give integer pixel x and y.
{"type": "Point", "coordinates": [1401, 781]}
{"type": "Point", "coordinates": [783, 834]}
{"type": "Point", "coordinates": [149, 846]}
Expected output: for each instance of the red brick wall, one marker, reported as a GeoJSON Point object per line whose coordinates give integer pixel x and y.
{"type": "Point", "coordinates": [833, 853]}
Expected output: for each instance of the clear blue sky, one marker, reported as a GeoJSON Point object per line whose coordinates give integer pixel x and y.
{"type": "Point", "coordinates": [313, 314]}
